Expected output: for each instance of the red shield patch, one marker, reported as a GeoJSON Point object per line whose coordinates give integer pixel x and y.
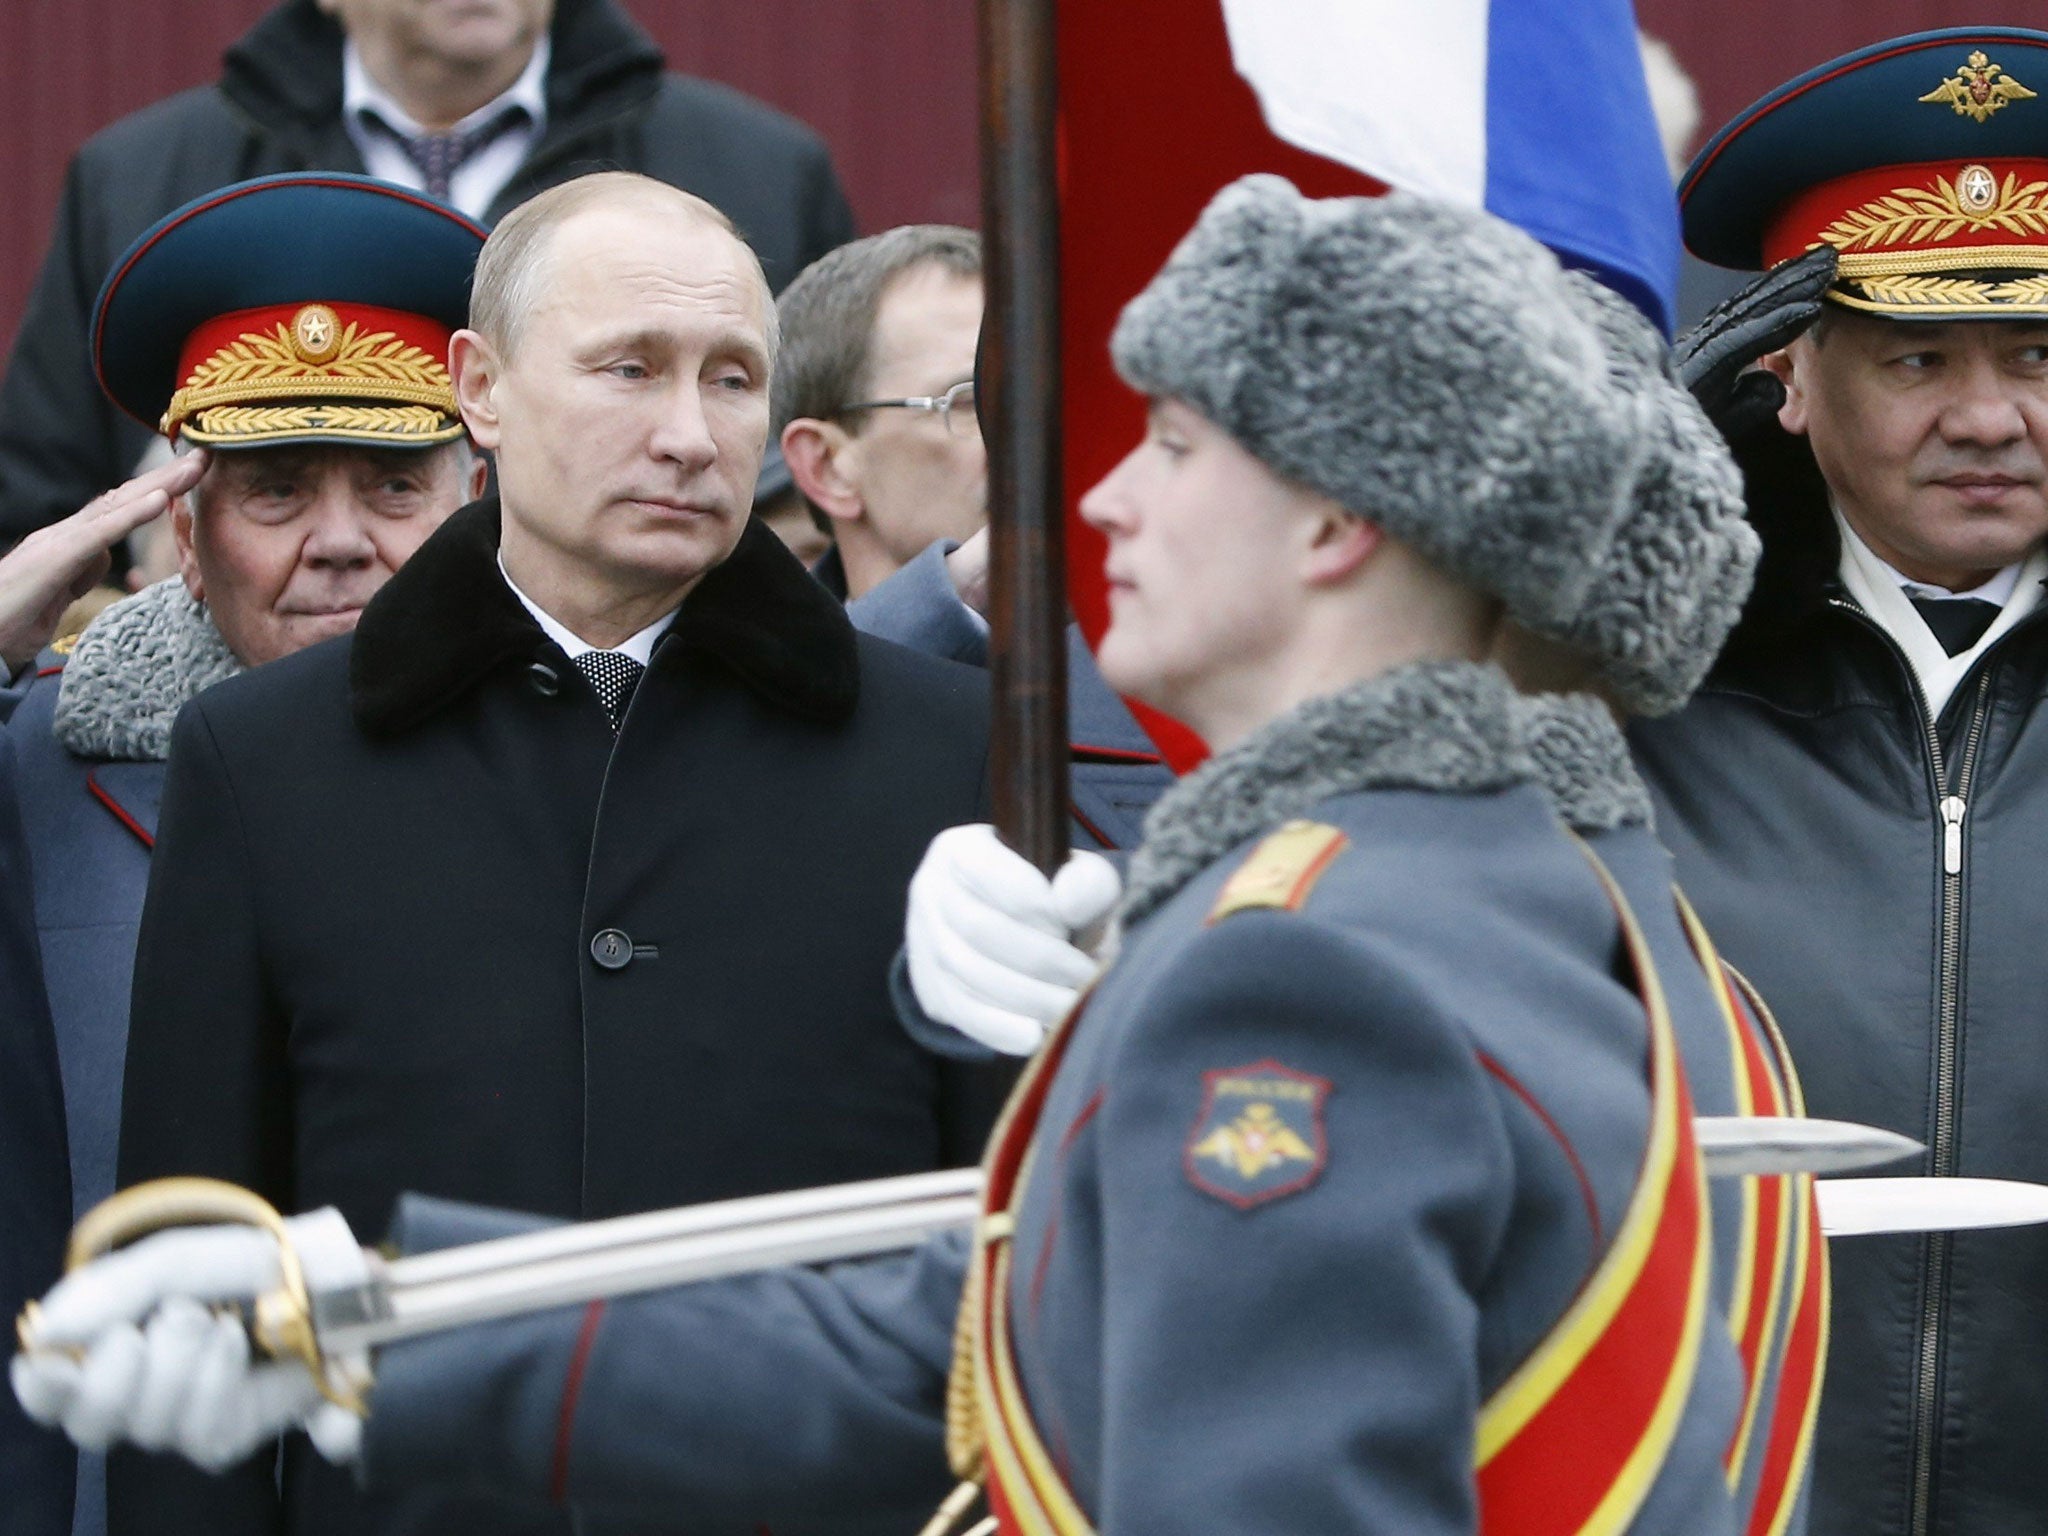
{"type": "Point", "coordinates": [1259, 1135]}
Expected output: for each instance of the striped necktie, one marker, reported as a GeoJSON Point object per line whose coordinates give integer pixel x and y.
{"type": "Point", "coordinates": [440, 155]}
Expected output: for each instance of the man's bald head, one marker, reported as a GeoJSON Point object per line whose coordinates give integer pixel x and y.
{"type": "Point", "coordinates": [512, 274]}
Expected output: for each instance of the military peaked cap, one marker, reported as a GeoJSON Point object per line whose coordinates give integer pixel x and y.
{"type": "Point", "coordinates": [1923, 161]}
{"type": "Point", "coordinates": [297, 308]}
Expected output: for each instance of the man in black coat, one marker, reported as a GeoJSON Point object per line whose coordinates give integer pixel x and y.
{"type": "Point", "coordinates": [572, 882]}
{"type": "Point", "coordinates": [303, 91]}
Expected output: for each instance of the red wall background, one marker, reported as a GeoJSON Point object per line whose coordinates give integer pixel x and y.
{"type": "Point", "coordinates": [890, 83]}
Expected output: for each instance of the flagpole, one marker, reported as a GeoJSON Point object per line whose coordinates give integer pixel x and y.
{"type": "Point", "coordinates": [1020, 418]}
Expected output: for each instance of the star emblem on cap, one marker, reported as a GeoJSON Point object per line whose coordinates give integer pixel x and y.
{"type": "Point", "coordinates": [1977, 188]}
{"type": "Point", "coordinates": [1975, 91]}
{"type": "Point", "coordinates": [316, 332]}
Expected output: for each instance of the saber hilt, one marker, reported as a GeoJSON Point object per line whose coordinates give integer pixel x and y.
{"type": "Point", "coordinates": [279, 1321]}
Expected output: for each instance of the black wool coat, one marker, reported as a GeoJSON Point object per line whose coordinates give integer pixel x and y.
{"type": "Point", "coordinates": [417, 922]}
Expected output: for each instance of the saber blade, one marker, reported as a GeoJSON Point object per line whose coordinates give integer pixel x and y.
{"type": "Point", "coordinates": [1861, 1207]}
{"type": "Point", "coordinates": [1733, 1145]}
{"type": "Point", "coordinates": [404, 1302]}
{"type": "Point", "coordinates": [571, 1264]}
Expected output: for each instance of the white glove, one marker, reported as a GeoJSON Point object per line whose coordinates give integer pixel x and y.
{"type": "Point", "coordinates": [991, 943]}
{"type": "Point", "coordinates": [129, 1352]}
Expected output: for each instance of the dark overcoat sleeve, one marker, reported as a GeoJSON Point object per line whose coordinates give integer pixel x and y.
{"type": "Point", "coordinates": [36, 1465]}
{"type": "Point", "coordinates": [206, 1088]}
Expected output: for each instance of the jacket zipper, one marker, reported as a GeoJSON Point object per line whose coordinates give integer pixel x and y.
{"type": "Point", "coordinates": [1952, 804]}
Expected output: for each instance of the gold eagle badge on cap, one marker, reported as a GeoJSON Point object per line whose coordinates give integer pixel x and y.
{"type": "Point", "coordinates": [1976, 91]}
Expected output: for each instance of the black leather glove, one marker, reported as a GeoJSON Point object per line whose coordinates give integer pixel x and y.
{"type": "Point", "coordinates": [1766, 315]}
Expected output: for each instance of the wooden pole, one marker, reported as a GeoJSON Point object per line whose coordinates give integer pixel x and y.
{"type": "Point", "coordinates": [1020, 419]}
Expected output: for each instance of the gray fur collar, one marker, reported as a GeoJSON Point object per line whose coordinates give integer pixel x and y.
{"type": "Point", "coordinates": [134, 668]}
{"type": "Point", "coordinates": [1448, 726]}
{"type": "Point", "coordinates": [1582, 762]}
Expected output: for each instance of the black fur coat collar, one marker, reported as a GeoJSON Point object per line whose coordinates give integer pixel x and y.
{"type": "Point", "coordinates": [448, 619]}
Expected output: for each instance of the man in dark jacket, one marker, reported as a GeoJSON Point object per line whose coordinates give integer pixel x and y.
{"type": "Point", "coordinates": [1858, 798]}
{"type": "Point", "coordinates": [573, 882]}
{"type": "Point", "coordinates": [531, 102]}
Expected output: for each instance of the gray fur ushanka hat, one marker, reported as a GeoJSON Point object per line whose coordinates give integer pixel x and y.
{"type": "Point", "coordinates": [1670, 585]}
{"type": "Point", "coordinates": [1434, 369]}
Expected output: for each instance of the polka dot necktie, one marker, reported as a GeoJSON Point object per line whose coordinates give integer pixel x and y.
{"type": "Point", "coordinates": [613, 675]}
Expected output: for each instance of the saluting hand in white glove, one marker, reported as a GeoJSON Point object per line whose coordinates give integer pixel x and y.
{"type": "Point", "coordinates": [991, 943]}
{"type": "Point", "coordinates": [127, 1350]}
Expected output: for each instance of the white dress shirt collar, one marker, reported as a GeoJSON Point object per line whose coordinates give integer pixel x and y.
{"type": "Point", "coordinates": [1881, 590]}
{"type": "Point", "coordinates": [480, 178]}
{"type": "Point", "coordinates": [640, 647]}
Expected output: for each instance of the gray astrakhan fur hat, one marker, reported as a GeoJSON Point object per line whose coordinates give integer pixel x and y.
{"type": "Point", "coordinates": [1671, 584]}
{"type": "Point", "coordinates": [1434, 369]}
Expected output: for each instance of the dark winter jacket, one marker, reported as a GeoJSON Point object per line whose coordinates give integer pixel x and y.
{"type": "Point", "coordinates": [277, 107]}
{"type": "Point", "coordinates": [417, 922]}
{"type": "Point", "coordinates": [1881, 883]}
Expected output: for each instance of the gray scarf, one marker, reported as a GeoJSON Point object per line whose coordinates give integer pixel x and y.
{"type": "Point", "coordinates": [1582, 762]}
{"type": "Point", "coordinates": [134, 668]}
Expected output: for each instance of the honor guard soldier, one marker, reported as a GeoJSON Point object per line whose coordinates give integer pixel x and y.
{"type": "Point", "coordinates": [1856, 797]}
{"type": "Point", "coordinates": [1360, 1192]}
{"type": "Point", "coordinates": [986, 928]}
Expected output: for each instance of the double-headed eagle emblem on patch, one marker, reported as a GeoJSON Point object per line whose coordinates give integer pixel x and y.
{"type": "Point", "coordinates": [1976, 91]}
{"type": "Point", "coordinates": [1259, 1134]}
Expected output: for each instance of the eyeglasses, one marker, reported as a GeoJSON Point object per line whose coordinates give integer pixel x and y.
{"type": "Point", "coordinates": [955, 408]}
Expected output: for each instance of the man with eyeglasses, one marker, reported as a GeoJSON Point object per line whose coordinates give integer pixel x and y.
{"type": "Point", "coordinates": [873, 405]}
{"type": "Point", "coordinates": [874, 399]}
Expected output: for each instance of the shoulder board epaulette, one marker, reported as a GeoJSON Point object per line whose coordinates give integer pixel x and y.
{"type": "Point", "coordinates": [1282, 870]}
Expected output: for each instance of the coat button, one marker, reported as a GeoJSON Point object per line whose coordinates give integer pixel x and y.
{"type": "Point", "coordinates": [544, 679]}
{"type": "Point", "coordinates": [612, 949]}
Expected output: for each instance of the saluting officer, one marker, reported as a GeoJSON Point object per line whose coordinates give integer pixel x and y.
{"type": "Point", "coordinates": [1857, 796]}
{"type": "Point", "coordinates": [1360, 1192]}
{"type": "Point", "coordinates": [290, 335]}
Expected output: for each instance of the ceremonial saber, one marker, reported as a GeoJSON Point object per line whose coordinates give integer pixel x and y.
{"type": "Point", "coordinates": [408, 1298]}
{"type": "Point", "coordinates": [566, 1265]}
{"type": "Point", "coordinates": [579, 1239]}
{"type": "Point", "coordinates": [561, 1266]}
{"type": "Point", "coordinates": [1867, 1207]}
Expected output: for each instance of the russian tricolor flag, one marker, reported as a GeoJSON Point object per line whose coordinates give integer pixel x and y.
{"type": "Point", "coordinates": [1535, 110]}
